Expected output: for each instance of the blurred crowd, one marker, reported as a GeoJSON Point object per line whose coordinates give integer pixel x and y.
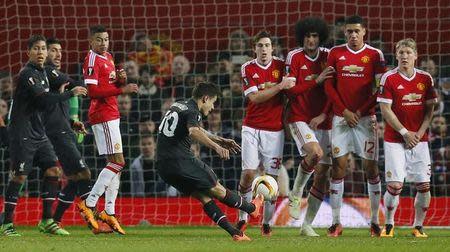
{"type": "Point", "coordinates": [165, 76]}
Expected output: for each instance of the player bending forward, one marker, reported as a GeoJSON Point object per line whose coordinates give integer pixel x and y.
{"type": "Point", "coordinates": [407, 99]}
{"type": "Point", "coordinates": [309, 117]}
{"type": "Point", "coordinates": [178, 167]}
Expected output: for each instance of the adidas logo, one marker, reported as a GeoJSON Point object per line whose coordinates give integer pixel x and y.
{"type": "Point", "coordinates": [255, 76]}
{"type": "Point", "coordinates": [400, 87]}
{"type": "Point", "coordinates": [304, 67]}
{"type": "Point", "coordinates": [342, 58]}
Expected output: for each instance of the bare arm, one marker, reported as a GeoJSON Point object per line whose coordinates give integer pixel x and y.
{"type": "Point", "coordinates": [266, 94]}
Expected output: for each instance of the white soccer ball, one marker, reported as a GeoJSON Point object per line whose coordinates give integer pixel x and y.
{"type": "Point", "coordinates": [265, 185]}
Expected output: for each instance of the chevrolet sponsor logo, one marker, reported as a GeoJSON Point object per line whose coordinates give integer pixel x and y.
{"type": "Point", "coordinates": [311, 77]}
{"type": "Point", "coordinates": [412, 97]}
{"type": "Point", "coordinates": [353, 68]}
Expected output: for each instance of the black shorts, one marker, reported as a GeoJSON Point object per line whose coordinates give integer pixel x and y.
{"type": "Point", "coordinates": [187, 175]}
{"type": "Point", "coordinates": [68, 154]}
{"type": "Point", "coordinates": [28, 153]}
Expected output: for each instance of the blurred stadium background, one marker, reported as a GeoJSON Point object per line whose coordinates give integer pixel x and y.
{"type": "Point", "coordinates": [167, 46]}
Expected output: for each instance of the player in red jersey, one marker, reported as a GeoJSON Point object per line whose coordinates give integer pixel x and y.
{"type": "Point", "coordinates": [358, 68]}
{"type": "Point", "coordinates": [310, 118]}
{"type": "Point", "coordinates": [262, 130]}
{"type": "Point", "coordinates": [407, 98]}
{"type": "Point", "coordinates": [104, 85]}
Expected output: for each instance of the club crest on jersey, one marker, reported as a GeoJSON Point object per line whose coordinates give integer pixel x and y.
{"type": "Point", "coordinates": [55, 73]}
{"type": "Point", "coordinates": [365, 59]}
{"type": "Point", "coordinates": [90, 71]}
{"type": "Point", "coordinates": [117, 146]}
{"type": "Point", "coordinates": [353, 68]}
{"type": "Point", "coordinates": [276, 74]}
{"type": "Point", "coordinates": [336, 150]}
{"type": "Point", "coordinates": [421, 86]}
{"type": "Point", "coordinates": [411, 97]}
{"type": "Point", "coordinates": [112, 76]}
{"type": "Point", "coordinates": [31, 81]}
{"type": "Point", "coordinates": [308, 136]}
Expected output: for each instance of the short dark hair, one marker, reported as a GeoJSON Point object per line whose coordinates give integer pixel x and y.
{"type": "Point", "coordinates": [35, 38]}
{"type": "Point", "coordinates": [260, 35]}
{"type": "Point", "coordinates": [310, 25]}
{"type": "Point", "coordinates": [52, 41]}
{"type": "Point", "coordinates": [96, 29]}
{"type": "Point", "coordinates": [205, 88]}
{"type": "Point", "coordinates": [355, 19]}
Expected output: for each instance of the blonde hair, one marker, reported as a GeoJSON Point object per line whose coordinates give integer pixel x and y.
{"type": "Point", "coordinates": [408, 42]}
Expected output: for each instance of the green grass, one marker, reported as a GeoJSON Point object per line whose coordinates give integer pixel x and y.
{"type": "Point", "coordinates": [214, 239]}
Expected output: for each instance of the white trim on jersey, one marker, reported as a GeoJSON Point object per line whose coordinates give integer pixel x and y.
{"type": "Point", "coordinates": [378, 50]}
{"type": "Point", "coordinates": [266, 66]}
{"type": "Point", "coordinates": [356, 52]}
{"type": "Point", "coordinates": [386, 75]}
{"type": "Point", "coordinates": [96, 54]}
{"type": "Point", "coordinates": [427, 74]}
{"type": "Point", "coordinates": [384, 100]}
{"type": "Point", "coordinates": [92, 56]}
{"type": "Point", "coordinates": [291, 55]}
{"type": "Point", "coordinates": [250, 90]}
{"type": "Point", "coordinates": [406, 77]}
{"type": "Point", "coordinates": [90, 81]}
{"type": "Point", "coordinates": [244, 66]}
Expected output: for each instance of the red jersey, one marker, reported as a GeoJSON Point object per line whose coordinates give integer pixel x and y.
{"type": "Point", "coordinates": [255, 77]}
{"type": "Point", "coordinates": [355, 78]}
{"type": "Point", "coordinates": [99, 75]}
{"type": "Point", "coordinates": [408, 97]}
{"type": "Point", "coordinates": [308, 99]}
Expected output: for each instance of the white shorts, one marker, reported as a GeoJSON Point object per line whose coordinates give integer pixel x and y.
{"type": "Point", "coordinates": [303, 134]}
{"type": "Point", "coordinates": [107, 137]}
{"type": "Point", "coordinates": [411, 165]}
{"type": "Point", "coordinates": [361, 140]}
{"type": "Point", "coordinates": [261, 146]}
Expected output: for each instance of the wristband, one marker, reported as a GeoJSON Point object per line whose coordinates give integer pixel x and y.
{"type": "Point", "coordinates": [403, 131]}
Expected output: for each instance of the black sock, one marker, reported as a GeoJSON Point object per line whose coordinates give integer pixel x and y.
{"type": "Point", "coordinates": [65, 199]}
{"type": "Point", "coordinates": [49, 193]}
{"type": "Point", "coordinates": [11, 197]}
{"type": "Point", "coordinates": [84, 188]}
{"type": "Point", "coordinates": [232, 199]}
{"type": "Point", "coordinates": [214, 212]}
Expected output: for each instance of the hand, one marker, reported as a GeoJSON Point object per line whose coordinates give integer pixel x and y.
{"type": "Point", "coordinates": [130, 88]}
{"type": "Point", "coordinates": [229, 144]}
{"type": "Point", "coordinates": [2, 122]}
{"type": "Point", "coordinates": [77, 91]}
{"type": "Point", "coordinates": [286, 83]}
{"type": "Point", "coordinates": [316, 121]}
{"type": "Point", "coordinates": [62, 88]}
{"type": "Point", "coordinates": [351, 118]}
{"type": "Point", "coordinates": [79, 128]}
{"type": "Point", "coordinates": [419, 134]}
{"type": "Point", "coordinates": [411, 140]}
{"type": "Point", "coordinates": [222, 152]}
{"type": "Point", "coordinates": [327, 73]}
{"type": "Point", "coordinates": [122, 75]}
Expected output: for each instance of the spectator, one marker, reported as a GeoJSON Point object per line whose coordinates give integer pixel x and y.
{"type": "Point", "coordinates": [128, 126]}
{"type": "Point", "coordinates": [238, 48]}
{"type": "Point", "coordinates": [444, 87]}
{"type": "Point", "coordinates": [6, 84]}
{"type": "Point", "coordinates": [132, 70]}
{"type": "Point", "coordinates": [278, 48]}
{"type": "Point", "coordinates": [431, 67]}
{"type": "Point", "coordinates": [177, 83]}
{"type": "Point", "coordinates": [147, 126]}
{"type": "Point", "coordinates": [143, 175]}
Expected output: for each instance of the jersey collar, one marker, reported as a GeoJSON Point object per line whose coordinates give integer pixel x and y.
{"type": "Point", "coordinates": [406, 77]}
{"type": "Point", "coordinates": [101, 56]}
{"type": "Point", "coordinates": [356, 52]}
{"type": "Point", "coordinates": [266, 66]}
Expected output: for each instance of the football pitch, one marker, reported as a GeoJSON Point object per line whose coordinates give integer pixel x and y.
{"type": "Point", "coordinates": [214, 239]}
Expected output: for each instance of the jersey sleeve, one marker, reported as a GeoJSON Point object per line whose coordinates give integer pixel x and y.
{"type": "Point", "coordinates": [385, 92]}
{"type": "Point", "coordinates": [380, 63]}
{"type": "Point", "coordinates": [32, 85]}
{"type": "Point", "coordinates": [249, 86]}
{"type": "Point", "coordinates": [431, 94]}
{"type": "Point", "coordinates": [91, 71]}
{"type": "Point", "coordinates": [193, 119]}
{"type": "Point", "coordinates": [291, 68]}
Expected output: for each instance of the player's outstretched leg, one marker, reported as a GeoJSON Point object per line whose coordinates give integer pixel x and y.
{"type": "Point", "coordinates": [216, 214]}
{"type": "Point", "coordinates": [305, 169]}
{"type": "Point", "coordinates": [421, 204]}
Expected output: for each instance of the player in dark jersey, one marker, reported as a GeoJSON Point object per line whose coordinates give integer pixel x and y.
{"type": "Point", "coordinates": [28, 140]}
{"type": "Point", "coordinates": [58, 127]}
{"type": "Point", "coordinates": [178, 167]}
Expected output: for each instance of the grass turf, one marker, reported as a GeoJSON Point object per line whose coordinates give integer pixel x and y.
{"type": "Point", "coordinates": [214, 239]}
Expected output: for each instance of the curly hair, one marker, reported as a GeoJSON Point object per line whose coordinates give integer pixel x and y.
{"type": "Point", "coordinates": [311, 25]}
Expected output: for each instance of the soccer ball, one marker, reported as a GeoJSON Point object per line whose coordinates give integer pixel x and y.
{"type": "Point", "coordinates": [265, 185]}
